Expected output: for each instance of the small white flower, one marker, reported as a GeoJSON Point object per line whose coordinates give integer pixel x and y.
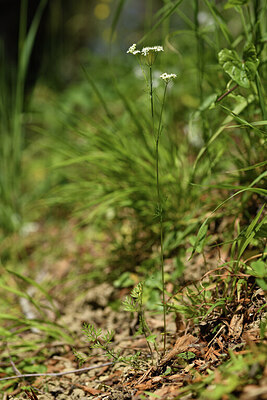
{"type": "Point", "coordinates": [132, 50]}
{"type": "Point", "coordinates": [168, 77]}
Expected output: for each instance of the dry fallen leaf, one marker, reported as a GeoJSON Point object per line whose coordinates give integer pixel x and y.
{"type": "Point", "coordinates": [180, 346]}
{"type": "Point", "coordinates": [236, 326]}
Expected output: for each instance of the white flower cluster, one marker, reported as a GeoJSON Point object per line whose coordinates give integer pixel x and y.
{"type": "Point", "coordinates": [151, 53]}
{"type": "Point", "coordinates": [168, 77]}
{"type": "Point", "coordinates": [145, 50]}
{"type": "Point", "coordinates": [132, 50]}
{"type": "Point", "coordinates": [155, 49]}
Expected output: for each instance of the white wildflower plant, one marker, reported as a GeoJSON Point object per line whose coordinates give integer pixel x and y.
{"type": "Point", "coordinates": [150, 53]}
{"type": "Point", "coordinates": [167, 77]}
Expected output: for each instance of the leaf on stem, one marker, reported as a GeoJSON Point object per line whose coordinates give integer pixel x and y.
{"type": "Point", "coordinates": [240, 71]}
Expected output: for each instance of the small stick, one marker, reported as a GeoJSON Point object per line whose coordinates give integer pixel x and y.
{"type": "Point", "coordinates": [226, 93]}
{"type": "Point", "coordinates": [15, 369]}
{"type": "Point", "coordinates": [57, 373]}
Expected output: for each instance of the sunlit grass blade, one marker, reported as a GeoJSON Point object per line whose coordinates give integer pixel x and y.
{"type": "Point", "coordinates": [32, 282]}
{"type": "Point", "coordinates": [51, 328]}
{"type": "Point", "coordinates": [24, 295]}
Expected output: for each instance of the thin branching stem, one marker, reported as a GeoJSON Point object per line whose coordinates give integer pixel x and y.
{"type": "Point", "coordinates": [160, 211]}
{"type": "Point", "coordinates": [159, 197]}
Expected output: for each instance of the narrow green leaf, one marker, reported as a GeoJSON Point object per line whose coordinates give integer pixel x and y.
{"type": "Point", "coordinates": [157, 24]}
{"type": "Point", "coordinates": [260, 164]}
{"type": "Point", "coordinates": [250, 232]}
{"type": "Point", "coordinates": [24, 295]}
{"type": "Point", "coordinates": [116, 17]}
{"type": "Point", "coordinates": [238, 109]}
{"type": "Point", "coordinates": [200, 236]}
{"type": "Point", "coordinates": [235, 3]}
{"type": "Point", "coordinates": [33, 283]}
{"type": "Point", "coordinates": [219, 20]}
{"type": "Point", "coordinates": [98, 93]}
{"type": "Point", "coordinates": [218, 303]}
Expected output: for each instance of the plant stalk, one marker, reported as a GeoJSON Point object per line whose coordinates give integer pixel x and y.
{"type": "Point", "coordinates": [151, 97]}
{"type": "Point", "coordinates": [160, 210]}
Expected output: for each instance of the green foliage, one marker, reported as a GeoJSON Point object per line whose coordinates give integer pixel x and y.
{"type": "Point", "coordinates": [241, 71]}
{"type": "Point", "coordinates": [28, 358]}
{"type": "Point", "coordinates": [133, 303]}
{"type": "Point", "coordinates": [99, 340]}
{"type": "Point", "coordinates": [250, 232]}
{"type": "Point", "coordinates": [187, 355]}
{"type": "Point", "coordinates": [234, 3]}
{"type": "Point", "coordinates": [230, 377]}
{"type": "Point", "coordinates": [259, 270]}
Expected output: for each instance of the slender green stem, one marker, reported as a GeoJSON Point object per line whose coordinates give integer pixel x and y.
{"type": "Point", "coordinates": [160, 211]}
{"type": "Point", "coordinates": [160, 208]}
{"type": "Point", "coordinates": [244, 23]}
{"type": "Point", "coordinates": [261, 97]}
{"type": "Point", "coordinates": [151, 97]}
{"type": "Point", "coordinates": [200, 51]}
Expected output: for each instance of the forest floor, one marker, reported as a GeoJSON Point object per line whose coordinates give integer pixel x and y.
{"type": "Point", "coordinates": [198, 363]}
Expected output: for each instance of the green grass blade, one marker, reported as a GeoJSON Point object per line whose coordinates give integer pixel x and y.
{"type": "Point", "coordinates": [98, 94]}
{"type": "Point", "coordinates": [239, 107]}
{"type": "Point", "coordinates": [19, 293]}
{"type": "Point", "coordinates": [116, 17]}
{"type": "Point", "coordinates": [251, 231]}
{"type": "Point", "coordinates": [243, 122]}
{"type": "Point", "coordinates": [157, 24]}
{"type": "Point", "coordinates": [35, 284]}
{"type": "Point", "coordinates": [219, 20]}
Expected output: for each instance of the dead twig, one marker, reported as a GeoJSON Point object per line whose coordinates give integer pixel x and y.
{"type": "Point", "coordinates": [15, 369]}
{"type": "Point", "coordinates": [75, 371]}
{"type": "Point", "coordinates": [226, 93]}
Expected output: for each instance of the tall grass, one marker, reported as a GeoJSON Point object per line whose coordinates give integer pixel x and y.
{"type": "Point", "coordinates": [12, 83]}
